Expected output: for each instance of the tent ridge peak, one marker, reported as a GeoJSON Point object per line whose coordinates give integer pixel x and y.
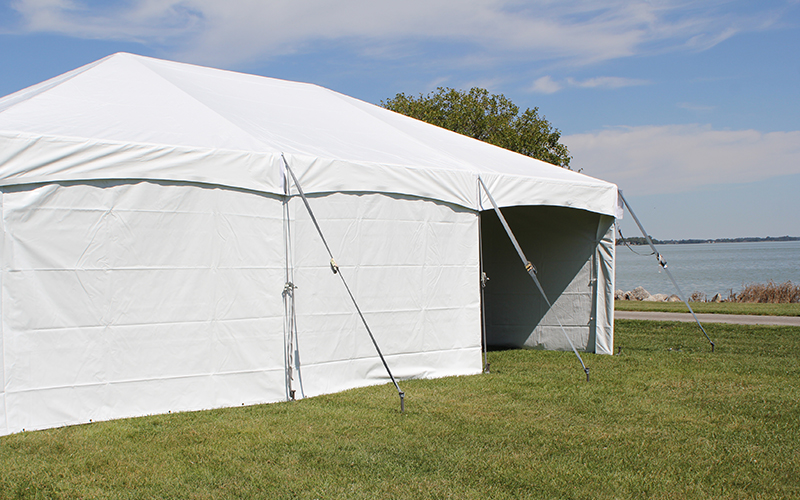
{"type": "Point", "coordinates": [139, 60]}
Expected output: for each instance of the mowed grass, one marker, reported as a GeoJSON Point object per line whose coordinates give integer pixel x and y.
{"type": "Point", "coordinates": [665, 419]}
{"type": "Point", "coordinates": [711, 307]}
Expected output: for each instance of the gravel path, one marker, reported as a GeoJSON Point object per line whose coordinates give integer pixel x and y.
{"type": "Point", "coordinates": [738, 319]}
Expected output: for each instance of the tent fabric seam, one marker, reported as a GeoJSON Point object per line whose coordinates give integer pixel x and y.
{"type": "Point", "coordinates": [473, 171]}
{"type": "Point", "coordinates": [476, 205]}
{"type": "Point", "coordinates": [201, 103]}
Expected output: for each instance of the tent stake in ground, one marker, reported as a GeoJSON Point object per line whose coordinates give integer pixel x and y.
{"type": "Point", "coordinates": [336, 270]}
{"type": "Point", "coordinates": [663, 263]}
{"type": "Point", "coordinates": [531, 270]}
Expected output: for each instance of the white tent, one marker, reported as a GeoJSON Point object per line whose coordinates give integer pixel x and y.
{"type": "Point", "coordinates": [148, 241]}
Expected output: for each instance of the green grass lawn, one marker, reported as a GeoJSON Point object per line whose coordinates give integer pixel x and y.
{"type": "Point", "coordinates": [666, 419]}
{"type": "Point", "coordinates": [711, 307]}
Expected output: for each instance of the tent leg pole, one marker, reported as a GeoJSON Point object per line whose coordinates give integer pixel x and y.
{"type": "Point", "coordinates": [336, 270]}
{"type": "Point", "coordinates": [531, 270]}
{"type": "Point", "coordinates": [483, 280]}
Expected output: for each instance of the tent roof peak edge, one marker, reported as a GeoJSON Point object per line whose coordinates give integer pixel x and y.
{"type": "Point", "coordinates": [171, 111]}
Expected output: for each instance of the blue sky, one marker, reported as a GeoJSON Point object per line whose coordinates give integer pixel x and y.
{"type": "Point", "coordinates": [692, 108]}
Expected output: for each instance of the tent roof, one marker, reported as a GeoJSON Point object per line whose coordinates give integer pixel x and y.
{"type": "Point", "coordinates": [133, 117]}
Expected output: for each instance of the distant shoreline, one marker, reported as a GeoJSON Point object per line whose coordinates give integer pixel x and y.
{"type": "Point", "coordinates": [638, 240]}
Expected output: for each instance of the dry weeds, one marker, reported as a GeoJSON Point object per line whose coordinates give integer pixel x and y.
{"type": "Point", "coordinates": [771, 293]}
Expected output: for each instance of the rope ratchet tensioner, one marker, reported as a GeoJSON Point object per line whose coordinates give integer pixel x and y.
{"type": "Point", "coordinates": [531, 270]}
{"type": "Point", "coordinates": [335, 269]}
{"type": "Point", "coordinates": [663, 263]}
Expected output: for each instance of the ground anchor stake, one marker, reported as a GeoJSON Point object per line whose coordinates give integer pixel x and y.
{"type": "Point", "coordinates": [336, 270]}
{"type": "Point", "coordinates": [663, 263]}
{"type": "Point", "coordinates": [531, 270]}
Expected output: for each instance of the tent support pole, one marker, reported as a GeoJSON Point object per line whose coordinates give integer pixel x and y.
{"type": "Point", "coordinates": [288, 297]}
{"type": "Point", "coordinates": [484, 279]}
{"type": "Point", "coordinates": [531, 271]}
{"type": "Point", "coordinates": [292, 354]}
{"type": "Point", "coordinates": [663, 263]}
{"type": "Point", "coordinates": [336, 270]}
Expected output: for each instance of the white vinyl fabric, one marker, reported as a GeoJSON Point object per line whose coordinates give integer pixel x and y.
{"type": "Point", "coordinates": [170, 298]}
{"type": "Point", "coordinates": [148, 238]}
{"type": "Point", "coordinates": [602, 338]}
{"type": "Point", "coordinates": [412, 264]}
{"type": "Point", "coordinates": [133, 117]}
{"type": "Point", "coordinates": [124, 299]}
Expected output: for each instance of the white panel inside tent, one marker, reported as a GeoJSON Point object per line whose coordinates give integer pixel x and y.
{"type": "Point", "coordinates": [566, 247]}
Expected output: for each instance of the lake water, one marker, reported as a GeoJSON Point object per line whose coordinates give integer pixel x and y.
{"type": "Point", "coordinates": [708, 267]}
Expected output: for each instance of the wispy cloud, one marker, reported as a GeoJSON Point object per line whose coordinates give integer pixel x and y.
{"type": "Point", "coordinates": [571, 31]}
{"type": "Point", "coordinates": [144, 21]}
{"type": "Point", "coordinates": [606, 82]}
{"type": "Point", "coordinates": [438, 82]}
{"type": "Point", "coordinates": [679, 158]}
{"type": "Point", "coordinates": [547, 85]}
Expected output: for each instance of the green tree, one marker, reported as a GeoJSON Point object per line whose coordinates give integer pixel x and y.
{"type": "Point", "coordinates": [487, 117]}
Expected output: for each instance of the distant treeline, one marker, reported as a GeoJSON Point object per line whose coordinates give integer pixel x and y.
{"type": "Point", "coordinates": [638, 240]}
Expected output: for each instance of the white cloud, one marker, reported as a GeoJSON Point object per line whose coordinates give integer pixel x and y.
{"type": "Point", "coordinates": [546, 84]}
{"type": "Point", "coordinates": [438, 82]}
{"type": "Point", "coordinates": [680, 158]}
{"type": "Point", "coordinates": [606, 82]}
{"type": "Point", "coordinates": [573, 31]}
{"type": "Point", "coordinates": [145, 21]}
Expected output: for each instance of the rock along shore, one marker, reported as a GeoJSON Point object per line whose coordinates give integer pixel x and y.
{"type": "Point", "coordinates": [640, 294]}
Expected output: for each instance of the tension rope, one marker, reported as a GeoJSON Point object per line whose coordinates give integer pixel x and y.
{"type": "Point", "coordinates": [663, 263]}
{"type": "Point", "coordinates": [336, 270]}
{"type": "Point", "coordinates": [531, 270]}
{"type": "Point", "coordinates": [627, 244]}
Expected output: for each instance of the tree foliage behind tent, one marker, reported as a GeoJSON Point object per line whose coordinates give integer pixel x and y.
{"type": "Point", "coordinates": [487, 117]}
